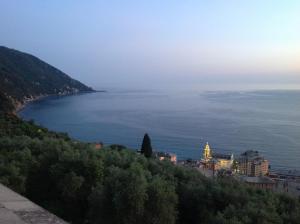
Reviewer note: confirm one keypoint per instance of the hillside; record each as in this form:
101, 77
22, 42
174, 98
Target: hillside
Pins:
24, 77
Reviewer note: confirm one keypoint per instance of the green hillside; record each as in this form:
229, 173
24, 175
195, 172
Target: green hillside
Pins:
24, 77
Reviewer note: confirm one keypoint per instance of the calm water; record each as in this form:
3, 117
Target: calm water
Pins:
268, 121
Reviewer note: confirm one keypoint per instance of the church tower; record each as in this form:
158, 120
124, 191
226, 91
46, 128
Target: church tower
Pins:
207, 153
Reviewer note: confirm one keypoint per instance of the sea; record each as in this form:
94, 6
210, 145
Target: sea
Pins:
181, 122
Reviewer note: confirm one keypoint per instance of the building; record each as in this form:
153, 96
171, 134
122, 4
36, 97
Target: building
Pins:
251, 163
96, 145
216, 161
222, 161
166, 156
190, 163
99, 145
259, 182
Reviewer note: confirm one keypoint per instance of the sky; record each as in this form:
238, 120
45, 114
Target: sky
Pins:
161, 44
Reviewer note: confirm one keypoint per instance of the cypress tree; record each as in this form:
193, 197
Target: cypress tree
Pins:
146, 146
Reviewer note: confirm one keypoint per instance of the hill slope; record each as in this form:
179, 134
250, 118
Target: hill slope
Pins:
24, 77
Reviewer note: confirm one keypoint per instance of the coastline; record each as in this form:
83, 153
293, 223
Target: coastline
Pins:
19, 106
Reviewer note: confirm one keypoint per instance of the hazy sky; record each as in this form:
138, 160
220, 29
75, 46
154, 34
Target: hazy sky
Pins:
153, 43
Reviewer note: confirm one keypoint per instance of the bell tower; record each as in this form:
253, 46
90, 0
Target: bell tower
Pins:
207, 153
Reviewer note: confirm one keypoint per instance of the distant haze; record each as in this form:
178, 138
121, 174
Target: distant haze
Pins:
220, 44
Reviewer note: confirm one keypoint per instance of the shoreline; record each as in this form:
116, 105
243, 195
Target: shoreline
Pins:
19, 106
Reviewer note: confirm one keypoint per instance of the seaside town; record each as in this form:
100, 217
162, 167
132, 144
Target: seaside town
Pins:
249, 167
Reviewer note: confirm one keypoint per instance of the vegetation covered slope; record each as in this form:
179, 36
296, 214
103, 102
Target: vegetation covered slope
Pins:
23, 76
85, 185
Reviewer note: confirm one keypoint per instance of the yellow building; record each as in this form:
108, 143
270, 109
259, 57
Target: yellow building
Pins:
251, 163
216, 160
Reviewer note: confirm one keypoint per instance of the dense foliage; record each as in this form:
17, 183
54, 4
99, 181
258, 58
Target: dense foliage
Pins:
5, 103
23, 76
117, 185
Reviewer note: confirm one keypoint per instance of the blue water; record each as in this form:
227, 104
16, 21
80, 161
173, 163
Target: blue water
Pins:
232, 122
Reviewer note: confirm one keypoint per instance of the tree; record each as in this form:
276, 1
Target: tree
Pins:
121, 199
161, 206
146, 146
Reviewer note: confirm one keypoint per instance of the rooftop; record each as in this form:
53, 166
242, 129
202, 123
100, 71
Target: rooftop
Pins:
221, 156
257, 180
251, 155
163, 154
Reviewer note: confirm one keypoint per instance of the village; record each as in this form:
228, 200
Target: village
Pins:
250, 167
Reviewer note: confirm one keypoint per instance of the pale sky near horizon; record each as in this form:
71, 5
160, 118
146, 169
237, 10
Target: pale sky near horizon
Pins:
172, 42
